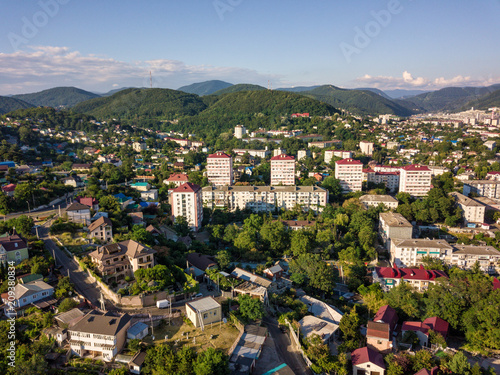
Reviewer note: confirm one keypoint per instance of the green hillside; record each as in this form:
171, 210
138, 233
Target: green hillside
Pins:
485, 102
239, 87
357, 101
57, 97
8, 104
447, 99
150, 103
205, 88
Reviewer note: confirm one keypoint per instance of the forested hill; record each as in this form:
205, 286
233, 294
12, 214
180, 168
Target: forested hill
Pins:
8, 104
485, 102
57, 97
239, 87
205, 88
147, 103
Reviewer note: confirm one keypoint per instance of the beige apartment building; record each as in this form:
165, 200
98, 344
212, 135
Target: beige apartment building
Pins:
186, 201
220, 169
283, 170
415, 180
409, 252
473, 211
374, 200
393, 226
350, 174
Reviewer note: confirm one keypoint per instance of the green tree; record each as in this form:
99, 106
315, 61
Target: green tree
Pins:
66, 305
223, 258
459, 364
275, 235
349, 326
404, 299
422, 359
302, 242
211, 361
250, 308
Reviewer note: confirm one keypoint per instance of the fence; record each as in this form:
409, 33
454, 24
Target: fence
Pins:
296, 339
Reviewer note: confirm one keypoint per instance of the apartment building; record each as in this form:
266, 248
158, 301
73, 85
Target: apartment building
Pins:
239, 131
220, 169
415, 180
484, 188
419, 278
303, 154
350, 174
409, 252
139, 146
465, 256
389, 179
255, 153
374, 200
366, 147
99, 335
473, 211
282, 170
329, 154
393, 226
186, 201
265, 198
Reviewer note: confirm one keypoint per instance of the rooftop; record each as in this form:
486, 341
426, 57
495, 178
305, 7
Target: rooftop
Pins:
282, 157
348, 161
203, 304
409, 273
475, 250
101, 324
393, 219
422, 242
364, 355
187, 187
378, 198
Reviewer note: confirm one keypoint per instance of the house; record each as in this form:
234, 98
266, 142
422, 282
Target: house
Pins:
13, 248
78, 213
366, 361
29, 278
122, 259
102, 229
379, 337
32, 293
150, 195
99, 335
274, 273
298, 224
311, 325
137, 218
204, 311
137, 331
74, 181
438, 325
124, 200
98, 215
135, 364
69, 318
321, 309
254, 285
420, 329
9, 189
140, 186
56, 333
419, 278
89, 201
248, 349
198, 263
386, 314
177, 179
432, 371
81, 167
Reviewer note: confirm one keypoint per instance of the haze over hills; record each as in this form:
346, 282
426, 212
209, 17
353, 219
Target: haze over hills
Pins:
9, 104
205, 88
57, 97
297, 88
403, 94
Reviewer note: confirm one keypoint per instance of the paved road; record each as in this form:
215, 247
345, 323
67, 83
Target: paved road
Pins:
285, 349
80, 279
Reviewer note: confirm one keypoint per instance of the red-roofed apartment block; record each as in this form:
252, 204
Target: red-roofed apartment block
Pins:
186, 201
350, 174
283, 170
220, 169
419, 278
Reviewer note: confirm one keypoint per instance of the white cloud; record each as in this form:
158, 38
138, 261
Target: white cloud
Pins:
42, 67
407, 81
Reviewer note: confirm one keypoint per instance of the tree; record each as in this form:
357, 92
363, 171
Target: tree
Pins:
250, 308
350, 325
24, 224
302, 242
422, 359
223, 258
459, 364
108, 203
181, 226
211, 361
66, 305
275, 235
245, 241
402, 298
332, 184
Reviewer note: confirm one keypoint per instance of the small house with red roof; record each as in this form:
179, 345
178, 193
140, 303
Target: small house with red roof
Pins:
13, 248
419, 278
366, 361
89, 201
432, 371
438, 325
386, 314
379, 337
420, 329
177, 179
9, 189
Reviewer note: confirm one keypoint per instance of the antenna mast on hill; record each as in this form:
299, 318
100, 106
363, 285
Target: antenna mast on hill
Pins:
269, 85
150, 80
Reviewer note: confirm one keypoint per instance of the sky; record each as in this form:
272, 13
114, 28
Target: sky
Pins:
104, 45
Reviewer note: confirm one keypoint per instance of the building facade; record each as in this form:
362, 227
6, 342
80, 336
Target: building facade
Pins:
415, 180
466, 256
366, 147
186, 200
375, 200
102, 229
409, 252
418, 278
283, 170
220, 169
393, 225
473, 211
350, 174
484, 188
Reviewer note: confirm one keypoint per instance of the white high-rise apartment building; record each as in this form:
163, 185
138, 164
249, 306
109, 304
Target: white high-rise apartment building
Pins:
220, 169
186, 200
415, 180
329, 154
350, 174
283, 170
239, 131
366, 147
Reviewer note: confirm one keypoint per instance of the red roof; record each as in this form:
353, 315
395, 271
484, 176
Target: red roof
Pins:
416, 326
409, 273
364, 355
424, 371
348, 161
438, 325
178, 177
219, 154
496, 283
283, 157
416, 167
88, 201
494, 172
188, 187
386, 314
386, 173
368, 170
9, 187
13, 242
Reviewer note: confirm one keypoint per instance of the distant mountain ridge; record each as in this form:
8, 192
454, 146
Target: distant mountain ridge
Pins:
239, 87
57, 97
205, 88
9, 104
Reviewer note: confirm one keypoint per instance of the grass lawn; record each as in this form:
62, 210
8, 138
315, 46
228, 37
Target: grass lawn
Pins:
72, 242
217, 336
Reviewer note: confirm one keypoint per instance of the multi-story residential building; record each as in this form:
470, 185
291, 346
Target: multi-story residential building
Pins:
389, 179
13, 248
186, 200
220, 169
366, 147
465, 256
393, 226
283, 170
409, 252
419, 278
329, 154
78, 213
118, 260
374, 200
473, 211
265, 198
350, 174
102, 229
493, 175
99, 335
415, 180
484, 188
239, 131
255, 153
279, 151
303, 154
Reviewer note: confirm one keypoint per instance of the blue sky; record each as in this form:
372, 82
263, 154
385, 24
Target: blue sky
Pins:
102, 45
